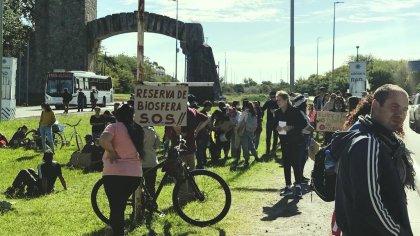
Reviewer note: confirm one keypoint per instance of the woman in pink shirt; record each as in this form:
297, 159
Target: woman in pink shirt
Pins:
123, 144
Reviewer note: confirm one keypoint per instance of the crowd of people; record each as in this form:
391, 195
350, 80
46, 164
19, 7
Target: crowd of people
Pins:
232, 129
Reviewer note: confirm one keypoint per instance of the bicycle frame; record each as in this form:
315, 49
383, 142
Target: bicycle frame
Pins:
73, 134
186, 177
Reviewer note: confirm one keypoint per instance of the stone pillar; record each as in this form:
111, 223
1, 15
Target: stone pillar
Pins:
59, 41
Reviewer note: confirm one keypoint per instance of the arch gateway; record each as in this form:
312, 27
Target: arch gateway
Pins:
68, 35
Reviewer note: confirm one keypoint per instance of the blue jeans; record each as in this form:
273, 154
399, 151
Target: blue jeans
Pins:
46, 132
247, 143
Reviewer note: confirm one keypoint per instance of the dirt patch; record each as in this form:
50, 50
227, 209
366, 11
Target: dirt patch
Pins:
271, 214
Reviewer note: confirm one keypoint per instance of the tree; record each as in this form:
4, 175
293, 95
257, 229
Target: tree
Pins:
248, 82
18, 23
238, 88
380, 77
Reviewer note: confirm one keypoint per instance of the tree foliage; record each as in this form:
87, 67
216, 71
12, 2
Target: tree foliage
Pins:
123, 70
18, 23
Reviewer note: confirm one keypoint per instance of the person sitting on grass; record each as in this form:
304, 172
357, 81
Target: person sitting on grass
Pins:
3, 141
18, 136
37, 183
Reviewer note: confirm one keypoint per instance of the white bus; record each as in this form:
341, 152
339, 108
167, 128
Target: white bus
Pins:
73, 81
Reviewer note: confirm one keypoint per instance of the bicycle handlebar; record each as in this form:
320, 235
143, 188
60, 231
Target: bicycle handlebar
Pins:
74, 124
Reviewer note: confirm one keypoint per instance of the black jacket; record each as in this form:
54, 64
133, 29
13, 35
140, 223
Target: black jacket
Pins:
370, 196
294, 117
268, 105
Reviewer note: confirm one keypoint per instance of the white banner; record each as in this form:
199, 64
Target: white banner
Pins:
357, 82
161, 104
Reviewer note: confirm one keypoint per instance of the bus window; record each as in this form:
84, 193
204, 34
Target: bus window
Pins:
86, 83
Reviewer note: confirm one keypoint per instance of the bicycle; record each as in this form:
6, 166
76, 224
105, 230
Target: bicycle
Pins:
206, 203
79, 142
33, 138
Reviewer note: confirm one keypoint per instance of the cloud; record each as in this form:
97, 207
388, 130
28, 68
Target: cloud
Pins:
220, 10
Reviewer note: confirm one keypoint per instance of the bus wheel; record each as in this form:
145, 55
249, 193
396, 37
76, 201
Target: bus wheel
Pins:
59, 107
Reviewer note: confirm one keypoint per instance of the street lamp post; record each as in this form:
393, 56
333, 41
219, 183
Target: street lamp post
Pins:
292, 45
357, 53
317, 55
334, 41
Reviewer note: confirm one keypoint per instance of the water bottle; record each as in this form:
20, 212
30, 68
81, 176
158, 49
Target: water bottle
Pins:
329, 162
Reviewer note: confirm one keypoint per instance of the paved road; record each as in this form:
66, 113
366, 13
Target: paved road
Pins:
412, 143
31, 111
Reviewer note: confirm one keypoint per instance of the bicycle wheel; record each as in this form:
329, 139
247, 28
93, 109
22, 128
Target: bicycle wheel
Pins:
58, 140
100, 203
30, 134
30, 140
79, 142
211, 208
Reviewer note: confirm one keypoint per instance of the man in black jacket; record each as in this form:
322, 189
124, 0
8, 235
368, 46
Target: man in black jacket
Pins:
370, 196
270, 126
67, 97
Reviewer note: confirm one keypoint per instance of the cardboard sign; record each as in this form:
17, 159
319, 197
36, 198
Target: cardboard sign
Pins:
327, 121
161, 104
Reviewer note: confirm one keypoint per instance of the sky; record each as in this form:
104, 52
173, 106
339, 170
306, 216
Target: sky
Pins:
254, 36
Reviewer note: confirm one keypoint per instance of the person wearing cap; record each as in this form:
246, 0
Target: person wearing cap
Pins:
300, 103
203, 137
270, 126
37, 183
219, 119
318, 100
97, 121
192, 101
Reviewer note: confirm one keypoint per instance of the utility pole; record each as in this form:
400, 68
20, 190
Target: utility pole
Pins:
27, 73
138, 213
225, 69
1, 57
332, 78
317, 55
292, 45
176, 43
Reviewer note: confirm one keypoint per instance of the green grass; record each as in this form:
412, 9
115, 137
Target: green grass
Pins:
69, 212
121, 97
251, 97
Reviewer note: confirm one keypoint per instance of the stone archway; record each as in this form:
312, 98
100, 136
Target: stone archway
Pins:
201, 66
67, 36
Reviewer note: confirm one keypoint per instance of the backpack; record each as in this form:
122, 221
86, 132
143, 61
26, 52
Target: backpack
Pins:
251, 123
324, 176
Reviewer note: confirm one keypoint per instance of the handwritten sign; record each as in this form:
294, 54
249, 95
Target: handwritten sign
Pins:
327, 121
161, 104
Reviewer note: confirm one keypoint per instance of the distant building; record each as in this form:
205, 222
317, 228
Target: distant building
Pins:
414, 66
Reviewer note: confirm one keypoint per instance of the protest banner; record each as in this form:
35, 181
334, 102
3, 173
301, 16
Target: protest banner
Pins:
327, 121
161, 104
